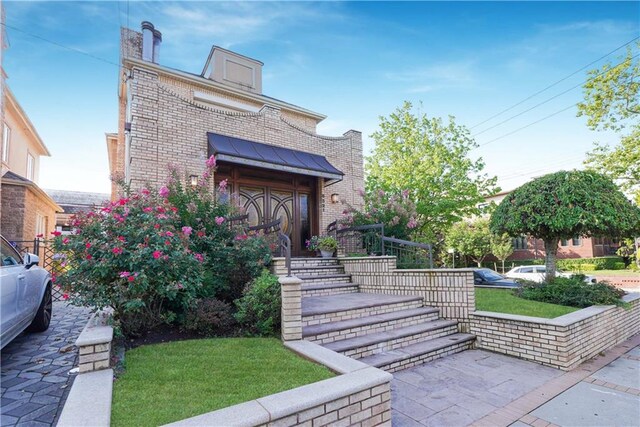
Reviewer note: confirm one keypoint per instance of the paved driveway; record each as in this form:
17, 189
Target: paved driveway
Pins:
35, 380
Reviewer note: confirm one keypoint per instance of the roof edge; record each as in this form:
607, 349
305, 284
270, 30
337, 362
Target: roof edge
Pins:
36, 189
25, 119
207, 82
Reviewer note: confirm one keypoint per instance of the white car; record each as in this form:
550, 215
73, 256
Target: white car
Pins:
536, 273
26, 294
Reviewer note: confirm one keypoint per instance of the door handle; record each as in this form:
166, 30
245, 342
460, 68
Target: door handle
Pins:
21, 276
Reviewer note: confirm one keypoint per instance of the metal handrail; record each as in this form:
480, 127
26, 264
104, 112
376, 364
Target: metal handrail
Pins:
285, 250
425, 246
362, 228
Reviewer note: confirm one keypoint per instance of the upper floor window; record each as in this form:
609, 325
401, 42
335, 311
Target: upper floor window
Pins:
520, 243
564, 242
576, 241
31, 173
6, 142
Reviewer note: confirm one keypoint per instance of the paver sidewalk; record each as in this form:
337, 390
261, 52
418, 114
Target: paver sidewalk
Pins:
481, 388
35, 380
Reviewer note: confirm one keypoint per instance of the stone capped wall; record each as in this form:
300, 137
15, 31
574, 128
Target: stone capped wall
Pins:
563, 342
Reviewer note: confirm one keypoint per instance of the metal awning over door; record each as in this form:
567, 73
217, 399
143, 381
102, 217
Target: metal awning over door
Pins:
244, 152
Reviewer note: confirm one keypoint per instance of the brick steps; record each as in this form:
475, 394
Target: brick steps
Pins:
329, 332
333, 308
366, 345
391, 332
326, 289
419, 353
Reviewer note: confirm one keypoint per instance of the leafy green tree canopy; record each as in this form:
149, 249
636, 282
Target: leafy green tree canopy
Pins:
501, 247
566, 204
612, 102
431, 159
471, 238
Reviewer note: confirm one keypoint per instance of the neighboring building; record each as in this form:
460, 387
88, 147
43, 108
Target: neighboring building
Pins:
276, 164
74, 202
27, 211
526, 247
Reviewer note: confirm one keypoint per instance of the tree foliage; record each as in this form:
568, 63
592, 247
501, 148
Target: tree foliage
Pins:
612, 102
431, 158
566, 204
501, 247
472, 239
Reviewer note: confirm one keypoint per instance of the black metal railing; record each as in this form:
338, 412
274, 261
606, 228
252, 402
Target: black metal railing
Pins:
282, 244
369, 240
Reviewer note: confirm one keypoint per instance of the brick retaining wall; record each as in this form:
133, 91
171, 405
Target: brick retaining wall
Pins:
450, 290
563, 342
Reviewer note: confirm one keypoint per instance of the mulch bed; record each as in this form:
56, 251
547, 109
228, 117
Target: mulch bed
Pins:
164, 333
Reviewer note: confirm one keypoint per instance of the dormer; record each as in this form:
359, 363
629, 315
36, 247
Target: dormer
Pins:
233, 69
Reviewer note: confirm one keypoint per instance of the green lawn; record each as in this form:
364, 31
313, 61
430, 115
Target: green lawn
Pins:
503, 301
172, 381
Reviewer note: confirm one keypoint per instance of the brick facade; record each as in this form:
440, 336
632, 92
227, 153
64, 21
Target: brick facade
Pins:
563, 342
169, 125
20, 206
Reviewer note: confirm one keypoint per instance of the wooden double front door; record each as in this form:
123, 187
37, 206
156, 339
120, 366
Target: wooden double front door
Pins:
269, 195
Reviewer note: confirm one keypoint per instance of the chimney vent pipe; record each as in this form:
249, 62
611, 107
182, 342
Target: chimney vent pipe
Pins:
147, 41
157, 40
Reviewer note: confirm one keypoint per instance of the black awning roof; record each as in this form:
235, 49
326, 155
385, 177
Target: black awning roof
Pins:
241, 151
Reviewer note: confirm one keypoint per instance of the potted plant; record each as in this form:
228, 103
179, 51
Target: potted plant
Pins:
312, 244
327, 246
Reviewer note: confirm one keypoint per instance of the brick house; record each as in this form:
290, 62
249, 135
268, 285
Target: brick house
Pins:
276, 165
26, 209
526, 247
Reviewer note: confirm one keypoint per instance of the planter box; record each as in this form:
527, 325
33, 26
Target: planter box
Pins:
563, 342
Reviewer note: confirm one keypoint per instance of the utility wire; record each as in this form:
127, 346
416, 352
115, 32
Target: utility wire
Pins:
552, 98
73, 49
526, 126
553, 84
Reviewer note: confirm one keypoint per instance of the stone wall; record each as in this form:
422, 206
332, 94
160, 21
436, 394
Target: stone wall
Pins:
450, 290
563, 342
94, 343
20, 205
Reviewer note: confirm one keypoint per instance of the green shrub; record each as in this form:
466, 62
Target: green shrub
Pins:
573, 292
601, 263
588, 267
209, 317
619, 266
259, 308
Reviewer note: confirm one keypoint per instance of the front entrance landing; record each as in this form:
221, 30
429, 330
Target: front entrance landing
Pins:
462, 388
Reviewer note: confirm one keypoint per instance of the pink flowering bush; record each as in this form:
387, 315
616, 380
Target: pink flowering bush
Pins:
131, 257
396, 211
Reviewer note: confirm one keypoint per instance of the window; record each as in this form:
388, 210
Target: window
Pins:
41, 225
564, 242
9, 255
576, 241
6, 142
30, 167
520, 243
526, 270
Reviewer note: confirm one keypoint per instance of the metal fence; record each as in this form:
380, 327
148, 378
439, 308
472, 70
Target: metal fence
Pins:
44, 250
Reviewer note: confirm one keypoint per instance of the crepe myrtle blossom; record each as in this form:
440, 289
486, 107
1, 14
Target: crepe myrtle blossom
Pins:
219, 220
211, 162
222, 186
187, 230
163, 192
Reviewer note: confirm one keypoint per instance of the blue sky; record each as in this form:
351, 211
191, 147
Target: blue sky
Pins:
352, 61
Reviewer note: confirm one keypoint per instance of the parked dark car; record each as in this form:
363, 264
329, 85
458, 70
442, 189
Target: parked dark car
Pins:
487, 277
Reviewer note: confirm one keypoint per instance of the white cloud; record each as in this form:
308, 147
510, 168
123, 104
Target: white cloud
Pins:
436, 76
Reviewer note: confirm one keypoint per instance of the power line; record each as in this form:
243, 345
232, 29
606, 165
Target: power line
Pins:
553, 84
552, 98
73, 49
526, 126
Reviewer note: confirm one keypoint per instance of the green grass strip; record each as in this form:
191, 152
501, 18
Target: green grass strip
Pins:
503, 301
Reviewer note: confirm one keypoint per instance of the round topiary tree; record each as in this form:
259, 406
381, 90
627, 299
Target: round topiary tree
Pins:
562, 205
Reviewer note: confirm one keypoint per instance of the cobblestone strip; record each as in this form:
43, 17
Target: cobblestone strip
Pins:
519, 409
35, 376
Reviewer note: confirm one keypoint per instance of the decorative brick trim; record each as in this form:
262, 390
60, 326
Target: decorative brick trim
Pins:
303, 130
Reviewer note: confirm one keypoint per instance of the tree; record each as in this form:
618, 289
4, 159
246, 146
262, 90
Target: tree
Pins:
471, 238
627, 251
612, 102
501, 247
430, 158
562, 205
